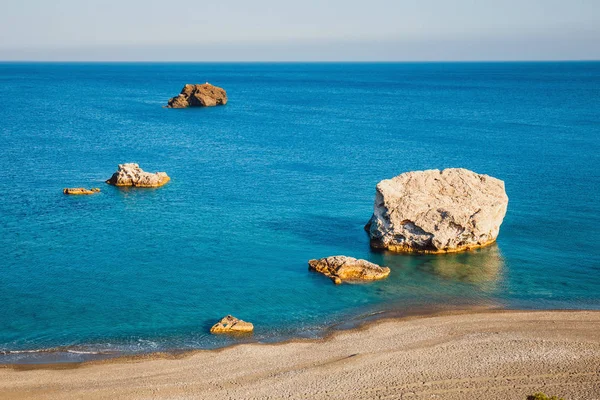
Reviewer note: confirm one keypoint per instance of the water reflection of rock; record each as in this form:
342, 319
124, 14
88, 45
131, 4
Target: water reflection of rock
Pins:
482, 267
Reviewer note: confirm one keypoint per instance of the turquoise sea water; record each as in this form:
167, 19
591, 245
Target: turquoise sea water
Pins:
284, 173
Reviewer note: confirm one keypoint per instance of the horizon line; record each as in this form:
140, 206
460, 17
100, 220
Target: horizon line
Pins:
67, 61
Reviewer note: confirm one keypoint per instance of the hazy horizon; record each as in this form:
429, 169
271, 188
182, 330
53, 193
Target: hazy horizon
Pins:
267, 30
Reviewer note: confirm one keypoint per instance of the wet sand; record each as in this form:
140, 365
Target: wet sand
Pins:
505, 355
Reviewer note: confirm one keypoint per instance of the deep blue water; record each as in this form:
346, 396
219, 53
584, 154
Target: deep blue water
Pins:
284, 173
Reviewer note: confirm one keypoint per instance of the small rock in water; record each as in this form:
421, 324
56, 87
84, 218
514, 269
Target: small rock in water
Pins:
342, 268
76, 191
205, 95
132, 175
437, 211
231, 324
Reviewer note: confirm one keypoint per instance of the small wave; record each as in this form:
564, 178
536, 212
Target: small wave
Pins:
148, 343
7, 352
84, 352
52, 350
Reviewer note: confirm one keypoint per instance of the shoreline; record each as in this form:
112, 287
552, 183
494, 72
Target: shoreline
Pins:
544, 350
353, 322
360, 324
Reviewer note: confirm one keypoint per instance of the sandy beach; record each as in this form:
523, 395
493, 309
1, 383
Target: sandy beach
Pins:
504, 355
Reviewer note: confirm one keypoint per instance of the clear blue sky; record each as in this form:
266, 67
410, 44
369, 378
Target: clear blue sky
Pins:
309, 30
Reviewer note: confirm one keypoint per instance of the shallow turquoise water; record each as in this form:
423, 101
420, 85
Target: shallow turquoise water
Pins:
284, 173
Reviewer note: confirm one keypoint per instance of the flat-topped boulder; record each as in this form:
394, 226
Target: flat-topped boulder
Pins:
437, 211
231, 324
132, 175
79, 191
193, 95
342, 268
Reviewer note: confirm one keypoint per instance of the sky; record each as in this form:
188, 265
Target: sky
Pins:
307, 30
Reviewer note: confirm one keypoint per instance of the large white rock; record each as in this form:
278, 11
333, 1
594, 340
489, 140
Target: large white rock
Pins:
132, 175
437, 211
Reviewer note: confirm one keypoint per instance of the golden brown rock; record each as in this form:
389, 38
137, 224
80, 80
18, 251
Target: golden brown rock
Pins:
77, 191
342, 268
132, 175
205, 95
231, 324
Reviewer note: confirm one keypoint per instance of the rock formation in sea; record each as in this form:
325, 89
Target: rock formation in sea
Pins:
342, 268
231, 324
437, 211
77, 191
205, 95
132, 175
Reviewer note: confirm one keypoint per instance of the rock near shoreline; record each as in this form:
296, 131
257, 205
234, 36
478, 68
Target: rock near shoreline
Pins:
231, 324
437, 211
205, 95
132, 175
342, 268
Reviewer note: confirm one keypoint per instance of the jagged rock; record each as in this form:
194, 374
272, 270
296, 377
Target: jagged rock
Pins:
231, 324
342, 268
132, 175
437, 211
80, 191
205, 95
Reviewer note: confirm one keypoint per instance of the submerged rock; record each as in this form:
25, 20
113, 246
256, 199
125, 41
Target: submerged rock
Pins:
132, 175
342, 268
205, 95
231, 324
77, 191
437, 211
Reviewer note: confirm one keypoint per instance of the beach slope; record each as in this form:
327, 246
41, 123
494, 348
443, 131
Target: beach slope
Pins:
505, 355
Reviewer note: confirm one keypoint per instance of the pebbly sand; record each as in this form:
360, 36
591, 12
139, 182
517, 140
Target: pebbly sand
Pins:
495, 355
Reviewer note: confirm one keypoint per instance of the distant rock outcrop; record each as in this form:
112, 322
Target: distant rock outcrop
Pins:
342, 268
205, 95
437, 211
132, 175
231, 324
77, 191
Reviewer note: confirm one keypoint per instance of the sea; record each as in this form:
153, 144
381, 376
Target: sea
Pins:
284, 173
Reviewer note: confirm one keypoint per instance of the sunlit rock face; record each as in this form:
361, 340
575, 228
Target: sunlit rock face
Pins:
205, 95
132, 175
437, 211
231, 324
80, 191
342, 268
